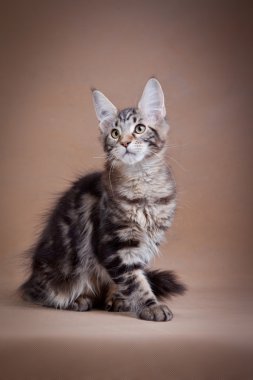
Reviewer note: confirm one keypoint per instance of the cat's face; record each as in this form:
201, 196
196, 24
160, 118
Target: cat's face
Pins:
131, 135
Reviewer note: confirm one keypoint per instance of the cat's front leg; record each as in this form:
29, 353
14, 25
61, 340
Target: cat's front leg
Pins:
135, 287
132, 283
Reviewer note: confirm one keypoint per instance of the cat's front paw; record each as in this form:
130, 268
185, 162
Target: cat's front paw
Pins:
158, 312
117, 303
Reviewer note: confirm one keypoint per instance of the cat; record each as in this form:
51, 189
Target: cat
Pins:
102, 233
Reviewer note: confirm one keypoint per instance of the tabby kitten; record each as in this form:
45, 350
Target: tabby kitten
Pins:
95, 249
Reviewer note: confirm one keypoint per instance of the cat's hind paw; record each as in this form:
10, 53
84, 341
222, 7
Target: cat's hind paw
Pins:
82, 303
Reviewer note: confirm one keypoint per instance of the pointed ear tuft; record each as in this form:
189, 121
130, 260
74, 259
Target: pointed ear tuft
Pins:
104, 109
151, 104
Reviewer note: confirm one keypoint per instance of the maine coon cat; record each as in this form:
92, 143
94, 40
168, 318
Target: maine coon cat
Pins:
99, 239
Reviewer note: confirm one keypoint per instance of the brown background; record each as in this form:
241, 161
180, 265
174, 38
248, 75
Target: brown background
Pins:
53, 52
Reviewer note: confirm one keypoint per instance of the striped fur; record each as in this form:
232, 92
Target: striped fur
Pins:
103, 232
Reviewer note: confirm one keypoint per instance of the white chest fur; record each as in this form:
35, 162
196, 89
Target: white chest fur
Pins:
144, 188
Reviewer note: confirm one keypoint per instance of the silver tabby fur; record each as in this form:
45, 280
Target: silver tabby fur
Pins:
103, 232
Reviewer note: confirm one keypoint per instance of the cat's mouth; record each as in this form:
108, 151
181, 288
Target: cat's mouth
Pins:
127, 153
128, 157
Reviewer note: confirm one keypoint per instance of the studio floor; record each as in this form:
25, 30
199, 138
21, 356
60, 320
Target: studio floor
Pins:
210, 337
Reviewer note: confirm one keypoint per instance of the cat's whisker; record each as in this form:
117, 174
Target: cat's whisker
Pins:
172, 146
176, 145
173, 159
178, 163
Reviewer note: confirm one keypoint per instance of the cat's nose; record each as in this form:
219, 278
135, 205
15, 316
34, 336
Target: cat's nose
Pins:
125, 143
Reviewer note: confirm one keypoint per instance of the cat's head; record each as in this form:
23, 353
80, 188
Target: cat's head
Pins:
133, 134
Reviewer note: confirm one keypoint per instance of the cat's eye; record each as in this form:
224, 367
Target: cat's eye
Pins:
115, 133
140, 128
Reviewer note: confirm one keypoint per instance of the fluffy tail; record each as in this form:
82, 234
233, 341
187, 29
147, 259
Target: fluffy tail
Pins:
165, 283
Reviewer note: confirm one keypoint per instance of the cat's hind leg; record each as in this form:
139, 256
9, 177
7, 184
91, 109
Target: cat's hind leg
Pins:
82, 303
62, 301
64, 296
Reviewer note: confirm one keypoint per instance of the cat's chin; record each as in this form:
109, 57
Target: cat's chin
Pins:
131, 158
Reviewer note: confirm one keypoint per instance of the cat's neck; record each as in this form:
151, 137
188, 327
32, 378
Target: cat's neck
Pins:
142, 179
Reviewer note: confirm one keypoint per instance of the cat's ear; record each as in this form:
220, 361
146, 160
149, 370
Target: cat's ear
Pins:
105, 110
151, 104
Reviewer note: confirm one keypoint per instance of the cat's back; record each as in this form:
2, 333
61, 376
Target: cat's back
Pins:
88, 184
86, 189
69, 221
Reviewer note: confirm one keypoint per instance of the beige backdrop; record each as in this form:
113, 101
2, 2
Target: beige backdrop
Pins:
53, 52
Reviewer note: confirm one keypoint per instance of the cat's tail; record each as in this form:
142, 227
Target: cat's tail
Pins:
165, 283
